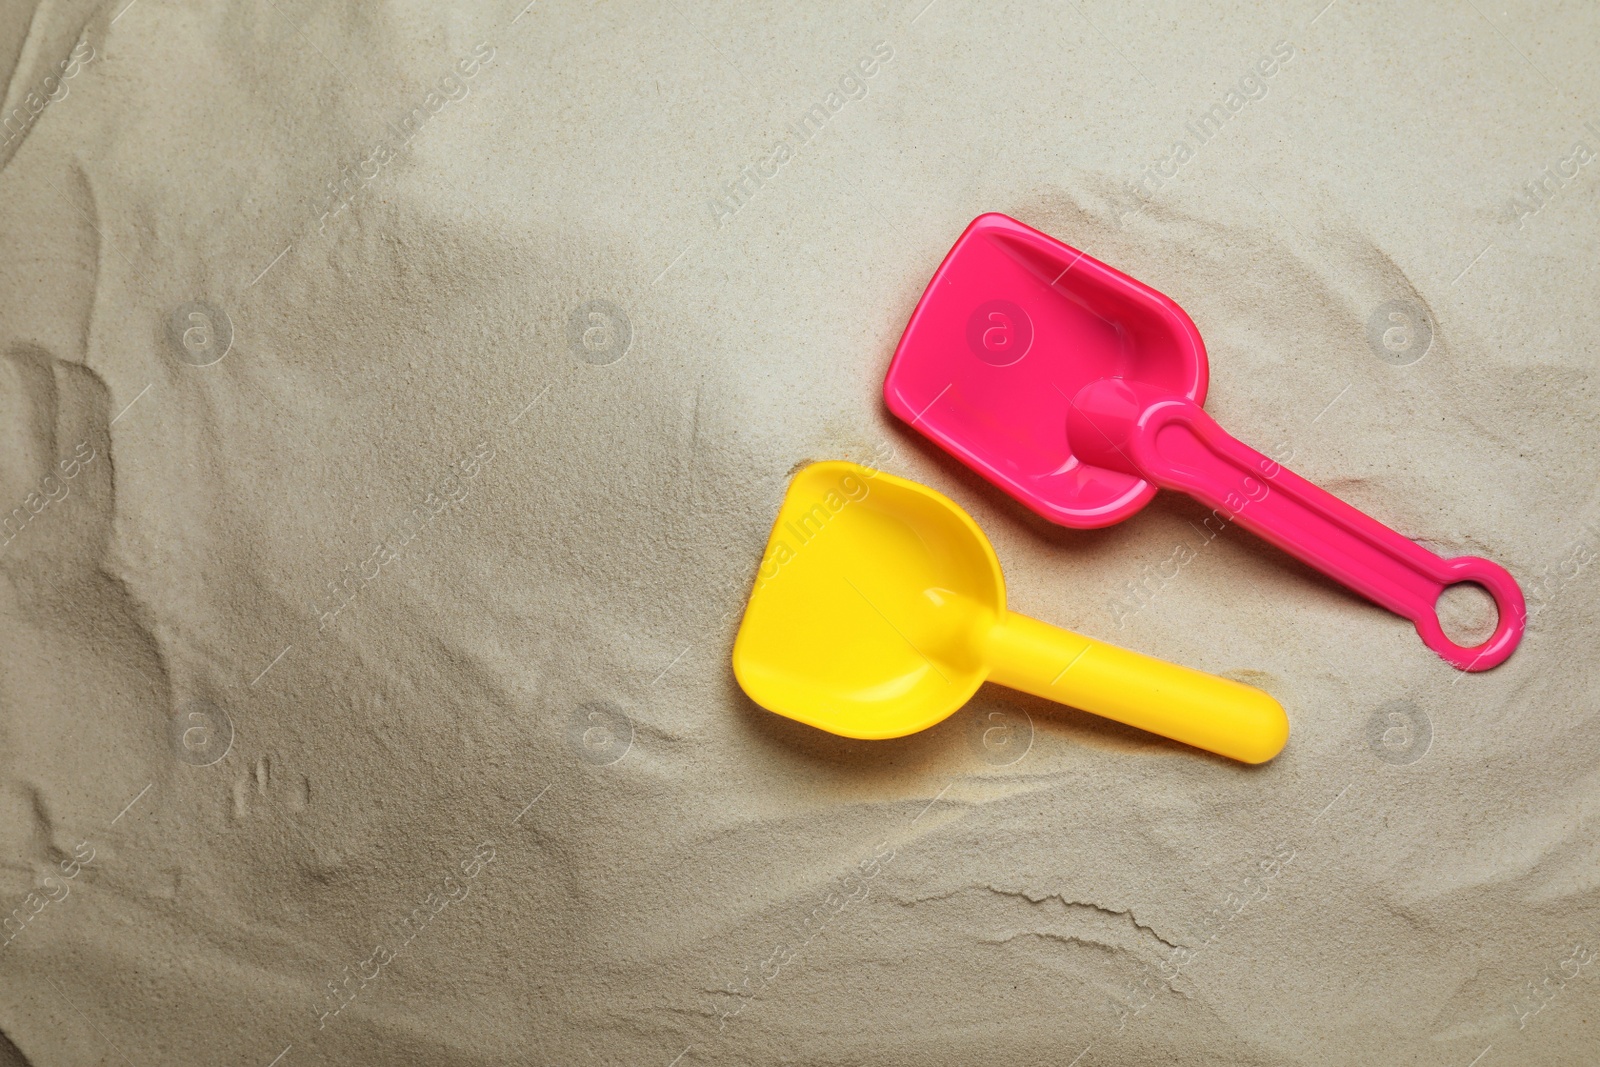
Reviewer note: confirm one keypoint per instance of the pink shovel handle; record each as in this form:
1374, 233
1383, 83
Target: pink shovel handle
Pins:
1169, 440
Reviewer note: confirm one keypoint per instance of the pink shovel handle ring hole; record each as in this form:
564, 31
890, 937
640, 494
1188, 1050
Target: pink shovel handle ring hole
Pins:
1509, 605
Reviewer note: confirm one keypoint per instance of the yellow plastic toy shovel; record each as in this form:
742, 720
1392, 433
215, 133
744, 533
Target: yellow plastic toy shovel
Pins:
880, 608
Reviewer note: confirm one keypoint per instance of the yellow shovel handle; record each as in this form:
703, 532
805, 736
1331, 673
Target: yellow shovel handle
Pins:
1222, 716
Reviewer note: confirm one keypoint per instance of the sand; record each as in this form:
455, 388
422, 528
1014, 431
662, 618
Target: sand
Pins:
397, 403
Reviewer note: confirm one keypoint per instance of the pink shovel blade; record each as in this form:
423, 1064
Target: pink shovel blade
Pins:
1077, 390
1013, 324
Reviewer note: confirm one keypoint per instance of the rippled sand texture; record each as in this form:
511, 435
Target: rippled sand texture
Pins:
394, 403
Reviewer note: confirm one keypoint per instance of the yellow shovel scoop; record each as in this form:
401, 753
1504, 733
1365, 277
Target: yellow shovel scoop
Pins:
880, 608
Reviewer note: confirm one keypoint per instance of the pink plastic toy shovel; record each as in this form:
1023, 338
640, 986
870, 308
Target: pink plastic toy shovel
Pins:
1077, 390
